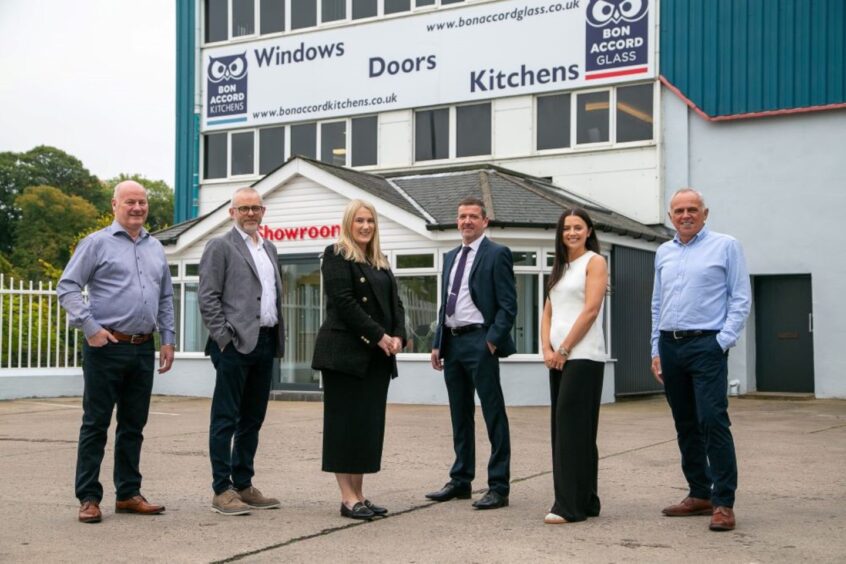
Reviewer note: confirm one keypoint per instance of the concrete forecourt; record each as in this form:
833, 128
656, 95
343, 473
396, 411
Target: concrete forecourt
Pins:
790, 505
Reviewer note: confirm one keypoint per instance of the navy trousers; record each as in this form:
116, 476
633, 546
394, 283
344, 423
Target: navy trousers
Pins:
117, 374
695, 382
239, 405
470, 368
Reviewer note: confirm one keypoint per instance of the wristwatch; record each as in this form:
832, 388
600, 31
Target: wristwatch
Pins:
563, 351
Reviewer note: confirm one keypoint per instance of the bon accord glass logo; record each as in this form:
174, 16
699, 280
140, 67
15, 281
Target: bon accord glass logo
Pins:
616, 36
227, 87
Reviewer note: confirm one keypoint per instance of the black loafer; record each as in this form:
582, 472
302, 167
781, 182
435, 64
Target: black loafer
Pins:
377, 510
491, 500
450, 491
358, 511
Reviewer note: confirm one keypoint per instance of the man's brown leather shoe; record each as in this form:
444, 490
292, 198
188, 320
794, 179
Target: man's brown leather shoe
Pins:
89, 512
722, 519
689, 506
138, 504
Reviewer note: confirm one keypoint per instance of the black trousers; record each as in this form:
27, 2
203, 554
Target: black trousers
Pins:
239, 405
117, 374
470, 368
575, 394
695, 383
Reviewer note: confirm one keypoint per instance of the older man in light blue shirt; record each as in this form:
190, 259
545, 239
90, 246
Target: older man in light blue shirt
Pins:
130, 297
700, 301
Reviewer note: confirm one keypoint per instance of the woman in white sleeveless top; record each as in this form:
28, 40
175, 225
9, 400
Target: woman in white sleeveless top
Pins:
574, 351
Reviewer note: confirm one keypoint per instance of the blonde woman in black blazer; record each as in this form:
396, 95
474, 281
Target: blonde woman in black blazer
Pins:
356, 351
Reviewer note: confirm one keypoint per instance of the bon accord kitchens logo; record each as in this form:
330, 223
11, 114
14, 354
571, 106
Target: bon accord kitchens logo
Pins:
227, 86
616, 35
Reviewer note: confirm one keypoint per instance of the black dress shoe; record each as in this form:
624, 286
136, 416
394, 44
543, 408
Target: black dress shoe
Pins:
358, 511
450, 491
491, 500
377, 510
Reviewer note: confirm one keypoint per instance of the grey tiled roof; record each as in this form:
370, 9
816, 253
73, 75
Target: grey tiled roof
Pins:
514, 199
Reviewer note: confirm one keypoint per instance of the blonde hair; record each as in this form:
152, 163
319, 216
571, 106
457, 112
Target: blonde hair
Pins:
349, 249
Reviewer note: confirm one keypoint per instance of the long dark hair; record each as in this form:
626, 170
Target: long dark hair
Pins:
561, 262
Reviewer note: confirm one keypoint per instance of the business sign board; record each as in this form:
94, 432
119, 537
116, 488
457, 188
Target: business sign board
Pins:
476, 52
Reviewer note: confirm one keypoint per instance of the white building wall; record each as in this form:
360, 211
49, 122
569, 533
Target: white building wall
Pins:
777, 185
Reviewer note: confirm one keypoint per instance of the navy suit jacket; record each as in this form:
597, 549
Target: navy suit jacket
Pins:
492, 290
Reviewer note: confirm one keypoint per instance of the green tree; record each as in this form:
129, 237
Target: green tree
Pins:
159, 196
43, 166
50, 222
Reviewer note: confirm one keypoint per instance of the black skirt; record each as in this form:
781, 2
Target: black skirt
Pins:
354, 419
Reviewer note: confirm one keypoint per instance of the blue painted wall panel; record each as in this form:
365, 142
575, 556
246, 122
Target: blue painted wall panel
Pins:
742, 56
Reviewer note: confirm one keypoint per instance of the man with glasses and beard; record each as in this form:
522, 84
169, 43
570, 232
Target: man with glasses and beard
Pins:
240, 298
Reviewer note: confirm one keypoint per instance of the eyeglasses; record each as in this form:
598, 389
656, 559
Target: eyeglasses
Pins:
244, 210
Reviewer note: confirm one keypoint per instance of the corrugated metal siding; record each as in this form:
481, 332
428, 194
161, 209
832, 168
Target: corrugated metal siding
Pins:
632, 272
744, 56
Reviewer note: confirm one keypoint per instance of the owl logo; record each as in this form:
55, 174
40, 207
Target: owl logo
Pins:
227, 86
233, 67
602, 12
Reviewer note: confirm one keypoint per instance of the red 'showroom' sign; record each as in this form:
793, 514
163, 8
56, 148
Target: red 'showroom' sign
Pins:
299, 233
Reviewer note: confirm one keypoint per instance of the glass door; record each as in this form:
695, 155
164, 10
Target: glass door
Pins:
302, 312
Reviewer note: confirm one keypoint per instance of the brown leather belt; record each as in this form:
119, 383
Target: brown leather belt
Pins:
137, 339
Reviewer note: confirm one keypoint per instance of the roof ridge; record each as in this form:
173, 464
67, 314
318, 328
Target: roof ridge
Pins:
429, 217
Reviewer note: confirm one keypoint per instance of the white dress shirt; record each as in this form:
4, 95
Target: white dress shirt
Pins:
466, 312
267, 277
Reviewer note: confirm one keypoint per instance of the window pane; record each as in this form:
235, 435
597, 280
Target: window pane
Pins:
174, 270
524, 258
214, 156
554, 121
634, 113
177, 311
303, 13
195, 334
302, 315
445, 2
363, 144
271, 148
420, 3
525, 327
416, 261
473, 130
363, 9
192, 269
420, 299
243, 17
304, 140
272, 16
394, 6
333, 143
217, 18
592, 117
242, 153
431, 134
333, 10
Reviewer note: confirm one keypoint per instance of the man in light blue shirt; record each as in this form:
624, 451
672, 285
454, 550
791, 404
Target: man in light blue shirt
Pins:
130, 297
700, 301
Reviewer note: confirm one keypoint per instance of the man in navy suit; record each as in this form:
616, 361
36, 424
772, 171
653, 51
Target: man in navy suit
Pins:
478, 306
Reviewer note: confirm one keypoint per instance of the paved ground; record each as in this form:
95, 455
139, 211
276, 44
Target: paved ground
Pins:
791, 503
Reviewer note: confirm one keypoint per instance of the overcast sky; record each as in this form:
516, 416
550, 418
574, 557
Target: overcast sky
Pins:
94, 78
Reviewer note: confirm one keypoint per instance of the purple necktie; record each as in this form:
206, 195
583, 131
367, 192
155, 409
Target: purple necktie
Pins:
456, 282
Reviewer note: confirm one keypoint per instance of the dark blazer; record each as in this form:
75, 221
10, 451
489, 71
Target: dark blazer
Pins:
355, 317
230, 293
493, 291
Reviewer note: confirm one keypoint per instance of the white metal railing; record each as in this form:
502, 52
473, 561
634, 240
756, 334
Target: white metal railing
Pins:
34, 329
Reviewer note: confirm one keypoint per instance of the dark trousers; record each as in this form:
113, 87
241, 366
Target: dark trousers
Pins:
695, 382
470, 367
239, 405
575, 394
117, 374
